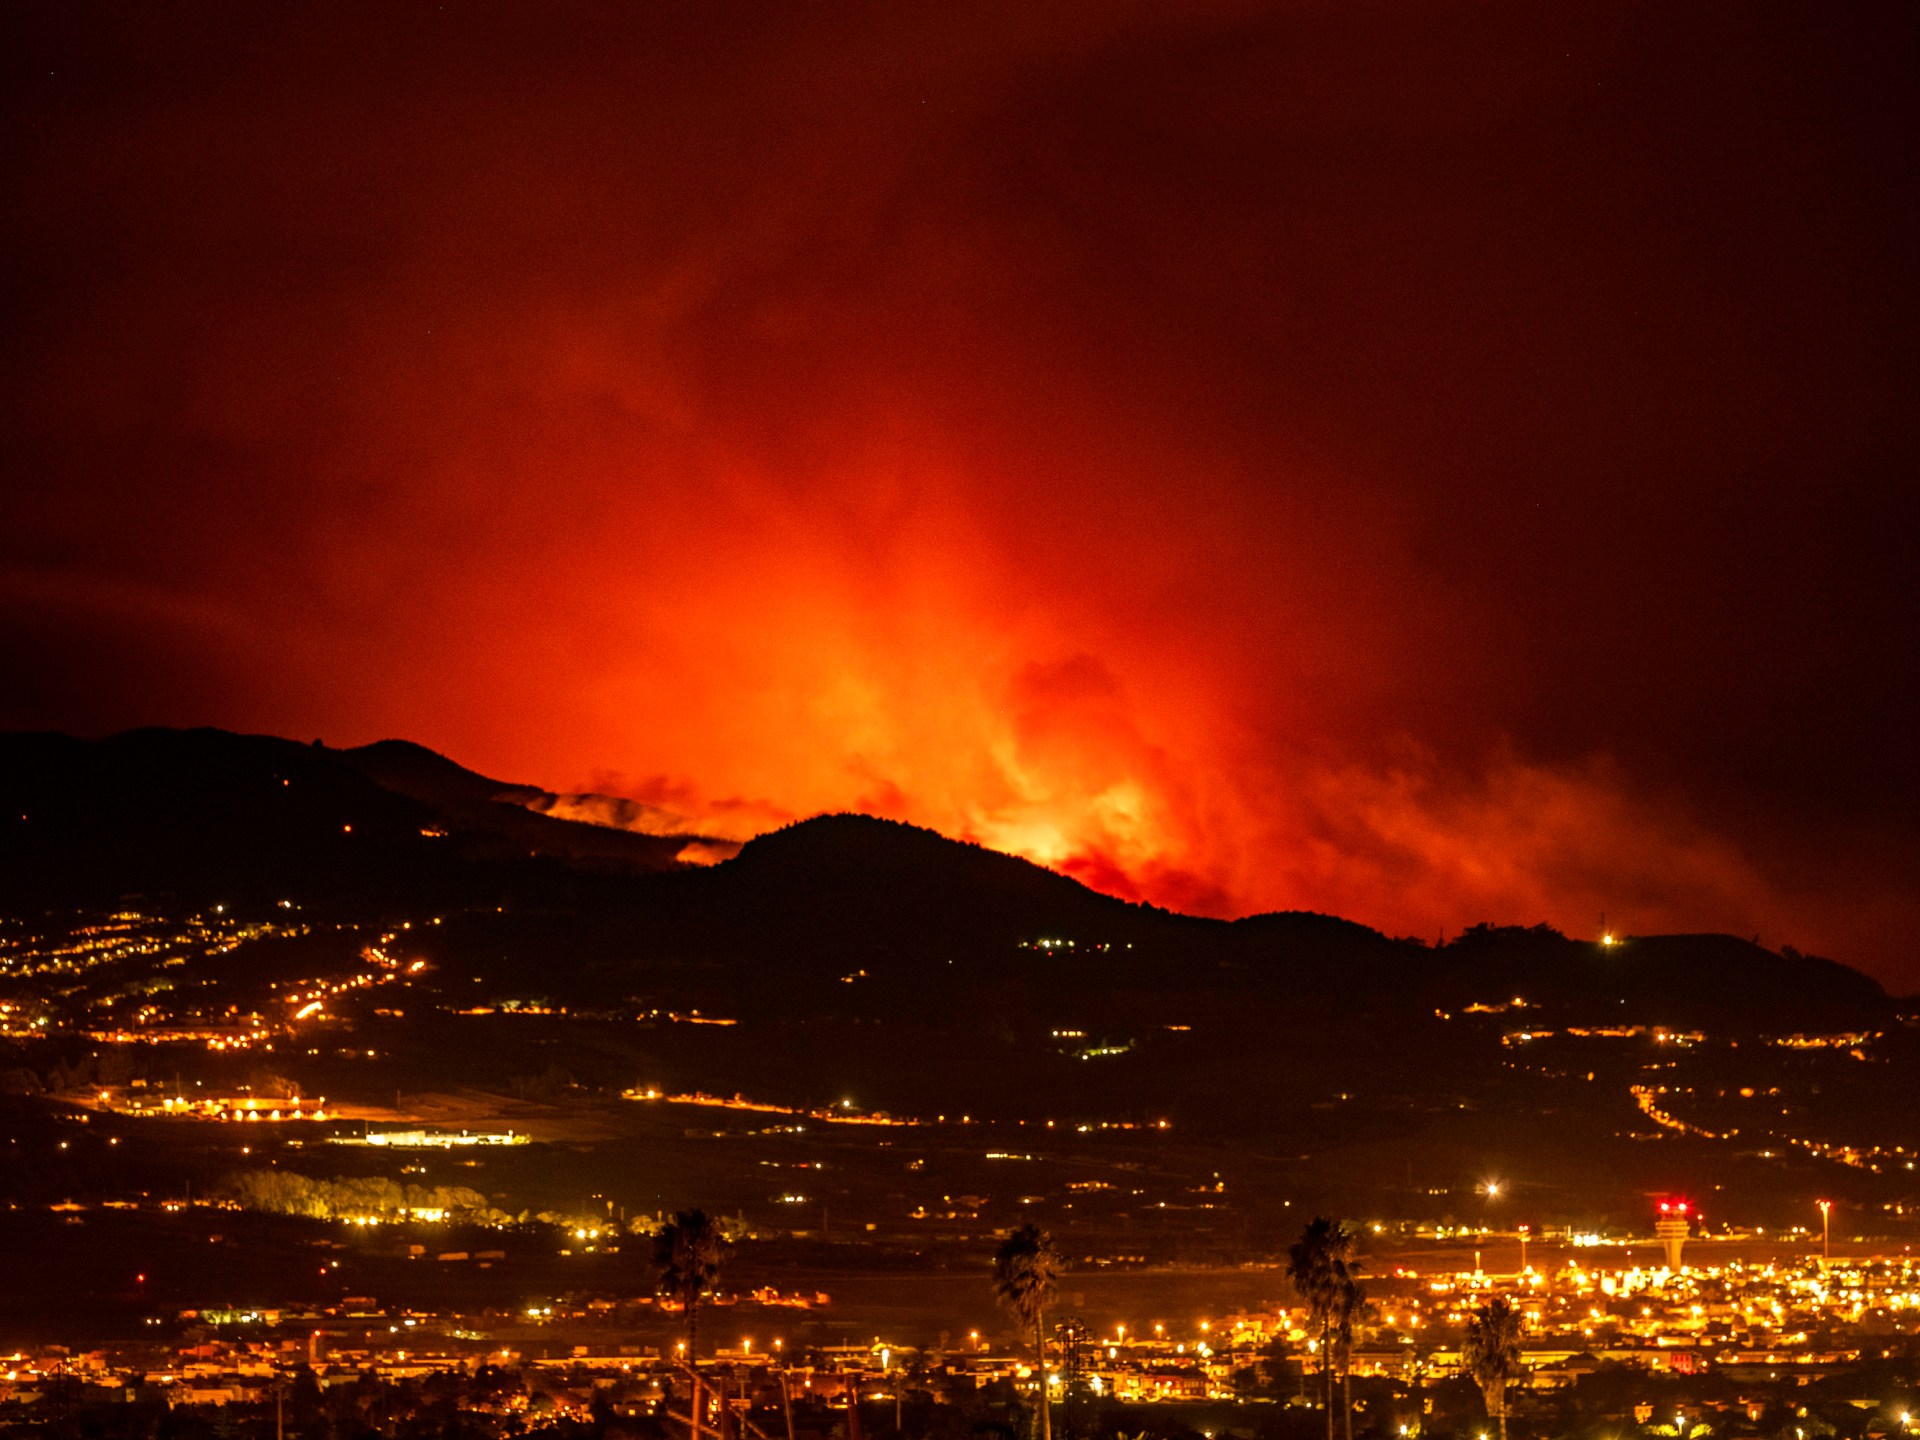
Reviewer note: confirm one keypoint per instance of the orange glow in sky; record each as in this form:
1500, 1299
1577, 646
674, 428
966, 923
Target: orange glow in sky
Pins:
1430, 467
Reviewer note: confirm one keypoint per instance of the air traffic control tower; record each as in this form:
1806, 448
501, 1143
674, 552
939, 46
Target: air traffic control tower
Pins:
1671, 1228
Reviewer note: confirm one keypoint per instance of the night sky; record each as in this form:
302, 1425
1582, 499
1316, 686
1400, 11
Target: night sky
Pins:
1429, 463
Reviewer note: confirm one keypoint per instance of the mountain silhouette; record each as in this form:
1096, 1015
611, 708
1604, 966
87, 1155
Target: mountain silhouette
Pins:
191, 818
205, 816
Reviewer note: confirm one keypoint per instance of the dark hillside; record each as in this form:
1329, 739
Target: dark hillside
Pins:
869, 879
492, 817
940, 928
1712, 982
205, 817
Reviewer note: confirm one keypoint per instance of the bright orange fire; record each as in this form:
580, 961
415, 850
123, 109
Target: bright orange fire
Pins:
1211, 450
1217, 726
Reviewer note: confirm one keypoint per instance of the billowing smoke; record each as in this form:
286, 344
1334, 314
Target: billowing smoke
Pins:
1425, 468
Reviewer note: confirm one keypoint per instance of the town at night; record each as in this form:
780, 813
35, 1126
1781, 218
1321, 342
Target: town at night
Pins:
971, 722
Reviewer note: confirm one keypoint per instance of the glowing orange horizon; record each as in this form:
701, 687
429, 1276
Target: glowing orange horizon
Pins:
1109, 716
1191, 447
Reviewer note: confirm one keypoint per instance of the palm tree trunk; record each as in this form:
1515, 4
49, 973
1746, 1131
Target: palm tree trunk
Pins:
1346, 1394
693, 1337
1503, 1417
1040, 1349
1326, 1372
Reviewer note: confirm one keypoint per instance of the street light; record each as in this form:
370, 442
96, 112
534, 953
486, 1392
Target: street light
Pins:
1826, 1210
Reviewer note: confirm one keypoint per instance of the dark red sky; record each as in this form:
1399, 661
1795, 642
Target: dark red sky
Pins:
1433, 463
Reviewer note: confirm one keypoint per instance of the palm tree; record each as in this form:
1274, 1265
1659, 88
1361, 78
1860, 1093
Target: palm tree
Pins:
1025, 1271
689, 1250
1349, 1299
1491, 1355
1314, 1264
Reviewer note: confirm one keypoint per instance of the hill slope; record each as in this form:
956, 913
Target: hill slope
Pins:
203, 817
208, 817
